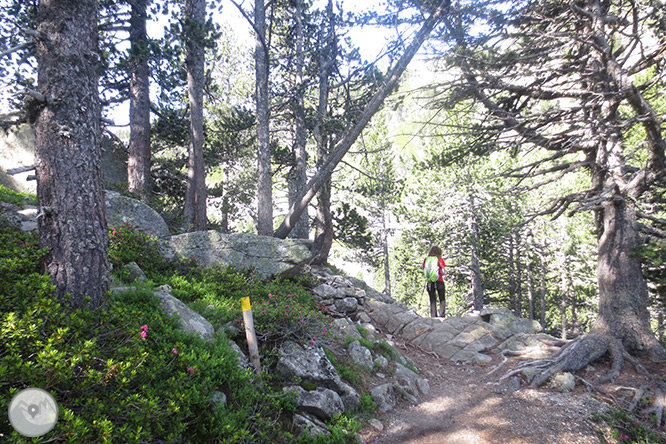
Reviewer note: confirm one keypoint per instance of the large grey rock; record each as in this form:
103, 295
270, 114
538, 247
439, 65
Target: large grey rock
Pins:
17, 149
410, 381
384, 397
134, 272
564, 382
269, 256
360, 355
190, 320
347, 328
322, 402
121, 210
309, 424
310, 365
530, 346
505, 324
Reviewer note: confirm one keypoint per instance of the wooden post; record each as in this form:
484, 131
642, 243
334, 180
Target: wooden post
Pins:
252, 346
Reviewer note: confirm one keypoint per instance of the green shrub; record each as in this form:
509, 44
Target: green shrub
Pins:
16, 197
624, 427
124, 373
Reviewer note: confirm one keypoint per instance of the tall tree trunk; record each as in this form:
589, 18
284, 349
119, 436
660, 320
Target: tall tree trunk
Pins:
264, 175
530, 289
512, 276
385, 249
623, 294
542, 292
519, 275
564, 295
138, 162
298, 173
70, 183
195, 198
324, 219
475, 268
352, 134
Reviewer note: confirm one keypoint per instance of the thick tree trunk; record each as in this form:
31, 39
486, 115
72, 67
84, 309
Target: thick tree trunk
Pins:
195, 197
623, 294
324, 219
352, 134
298, 173
138, 162
264, 175
70, 184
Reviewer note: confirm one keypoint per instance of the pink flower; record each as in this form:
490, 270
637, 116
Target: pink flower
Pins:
190, 369
114, 232
174, 351
143, 334
270, 295
286, 306
144, 327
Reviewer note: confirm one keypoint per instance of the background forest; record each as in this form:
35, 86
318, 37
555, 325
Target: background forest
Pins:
429, 168
524, 138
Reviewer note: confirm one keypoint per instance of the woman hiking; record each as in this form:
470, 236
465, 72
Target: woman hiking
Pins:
433, 267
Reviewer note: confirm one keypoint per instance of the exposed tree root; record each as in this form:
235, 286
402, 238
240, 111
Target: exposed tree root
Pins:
582, 351
657, 407
574, 356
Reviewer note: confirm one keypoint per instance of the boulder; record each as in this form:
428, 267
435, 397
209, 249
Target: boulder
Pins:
122, 210
384, 397
505, 324
134, 272
360, 355
309, 364
17, 149
190, 320
320, 402
564, 382
309, 424
268, 256
410, 381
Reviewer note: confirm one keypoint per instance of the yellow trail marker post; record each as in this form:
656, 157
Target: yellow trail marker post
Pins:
252, 346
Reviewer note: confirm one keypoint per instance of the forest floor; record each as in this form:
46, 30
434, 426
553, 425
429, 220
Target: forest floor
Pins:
466, 405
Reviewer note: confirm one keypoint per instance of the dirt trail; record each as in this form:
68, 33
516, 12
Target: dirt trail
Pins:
465, 405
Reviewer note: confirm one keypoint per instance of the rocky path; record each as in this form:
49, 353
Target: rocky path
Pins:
465, 405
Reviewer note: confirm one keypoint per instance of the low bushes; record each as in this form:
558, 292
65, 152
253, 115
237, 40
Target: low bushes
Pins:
125, 373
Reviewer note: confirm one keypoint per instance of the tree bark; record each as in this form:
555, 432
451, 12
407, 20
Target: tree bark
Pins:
138, 162
475, 268
298, 173
323, 239
385, 250
70, 183
530, 289
542, 290
264, 175
352, 134
623, 295
195, 198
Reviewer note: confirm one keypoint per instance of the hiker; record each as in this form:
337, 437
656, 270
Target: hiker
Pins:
433, 268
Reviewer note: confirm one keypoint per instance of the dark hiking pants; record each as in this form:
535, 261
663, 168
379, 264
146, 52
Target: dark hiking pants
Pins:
436, 289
